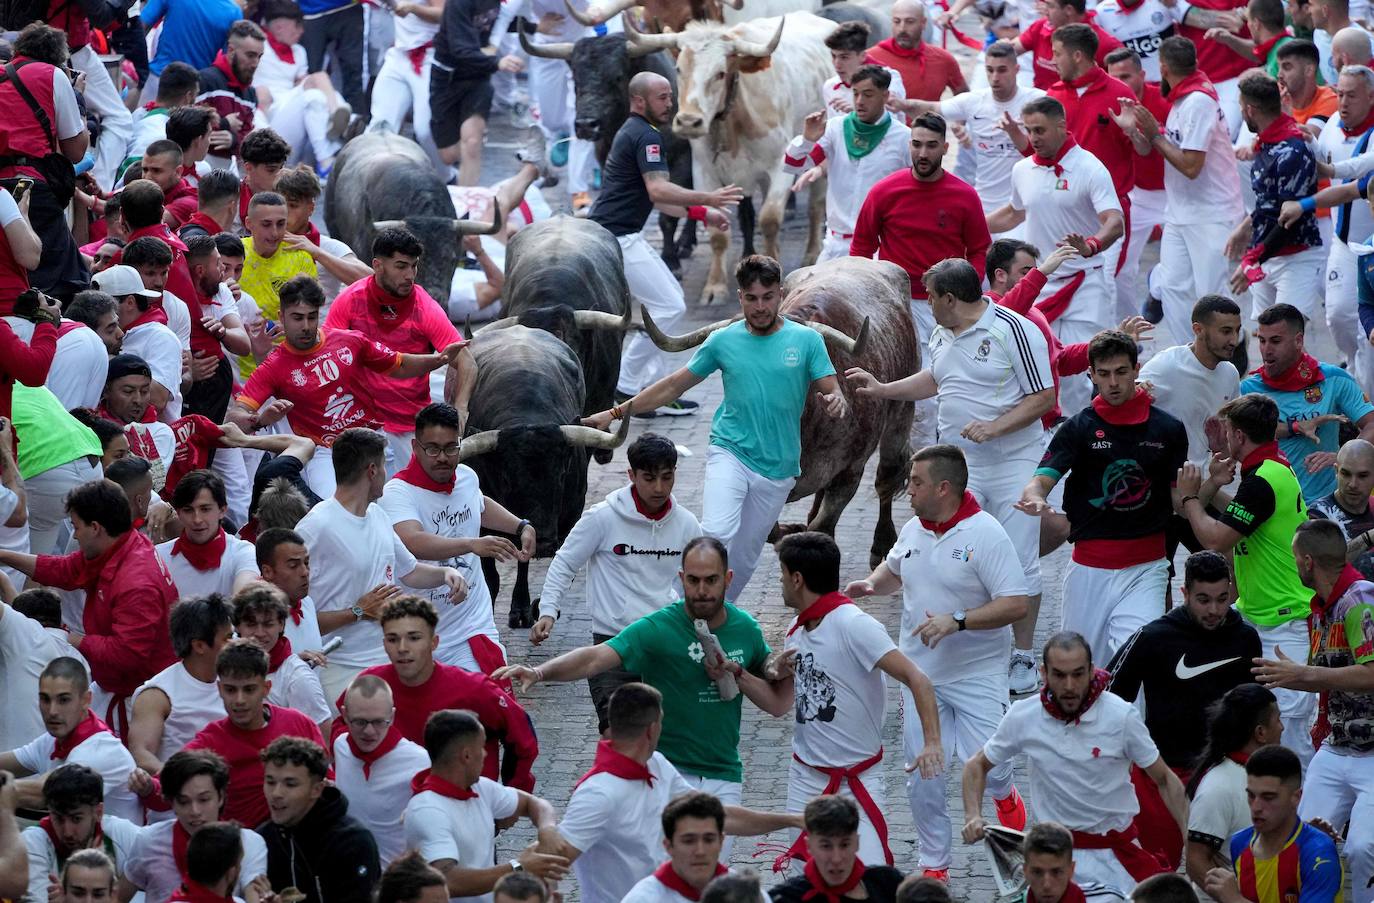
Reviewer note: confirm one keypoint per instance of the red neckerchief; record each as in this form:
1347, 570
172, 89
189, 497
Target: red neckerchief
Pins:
389, 742
181, 838
222, 64
1068, 145
1131, 412
200, 219
613, 762
1269, 451
283, 51
1306, 371
639, 506
63, 851
1073, 893
85, 728
415, 475
384, 306
312, 234
191, 892
673, 881
1090, 79
245, 195
154, 314
428, 780
1365, 125
1279, 130
297, 612
1261, 50
202, 557
916, 53
1195, 83
822, 607
279, 653
1348, 576
416, 55
832, 893
1240, 758
1096, 687
968, 506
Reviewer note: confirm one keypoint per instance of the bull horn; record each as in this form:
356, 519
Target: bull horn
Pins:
474, 227
494, 325
478, 444
591, 437
381, 224
754, 48
734, 4
560, 51
467, 329
651, 41
599, 319
692, 339
854, 347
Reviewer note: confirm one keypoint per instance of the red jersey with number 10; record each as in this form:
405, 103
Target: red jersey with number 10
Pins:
323, 384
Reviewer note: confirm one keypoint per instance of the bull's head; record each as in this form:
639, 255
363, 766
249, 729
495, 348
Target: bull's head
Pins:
441, 237
710, 58
854, 347
601, 68
575, 435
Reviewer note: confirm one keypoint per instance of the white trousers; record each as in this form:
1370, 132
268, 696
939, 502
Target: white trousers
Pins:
232, 468
1228, 96
1297, 708
301, 117
651, 283
1343, 302
116, 122
1190, 265
805, 783
1102, 867
319, 472
834, 246
970, 710
1295, 279
740, 507
730, 793
1147, 211
49, 528
1107, 606
1339, 787
551, 88
399, 90
397, 451
998, 489
925, 425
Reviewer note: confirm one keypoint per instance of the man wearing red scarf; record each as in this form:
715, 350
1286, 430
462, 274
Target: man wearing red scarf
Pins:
834, 868
74, 797
926, 70
694, 829
227, 86
205, 558
1080, 742
214, 861
1037, 38
260, 614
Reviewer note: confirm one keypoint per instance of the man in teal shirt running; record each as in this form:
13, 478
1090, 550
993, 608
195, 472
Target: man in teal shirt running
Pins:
769, 366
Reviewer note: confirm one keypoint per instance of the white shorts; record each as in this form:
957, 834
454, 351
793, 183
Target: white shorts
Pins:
1297, 708
739, 507
1339, 787
1295, 279
728, 792
1108, 606
998, 489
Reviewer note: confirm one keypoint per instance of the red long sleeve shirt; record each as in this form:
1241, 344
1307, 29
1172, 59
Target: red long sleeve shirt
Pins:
26, 362
917, 224
1149, 170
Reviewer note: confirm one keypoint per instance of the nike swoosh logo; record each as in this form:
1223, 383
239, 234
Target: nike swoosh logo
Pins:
1183, 672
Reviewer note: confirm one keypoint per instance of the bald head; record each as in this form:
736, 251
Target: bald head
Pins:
645, 84
909, 8
651, 96
1351, 47
908, 23
1355, 475
1357, 451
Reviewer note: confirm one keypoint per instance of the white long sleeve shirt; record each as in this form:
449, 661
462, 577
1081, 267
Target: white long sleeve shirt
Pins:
849, 179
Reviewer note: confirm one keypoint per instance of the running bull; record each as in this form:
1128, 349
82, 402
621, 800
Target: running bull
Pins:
866, 299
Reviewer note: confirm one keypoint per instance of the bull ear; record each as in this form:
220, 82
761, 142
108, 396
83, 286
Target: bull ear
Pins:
379, 225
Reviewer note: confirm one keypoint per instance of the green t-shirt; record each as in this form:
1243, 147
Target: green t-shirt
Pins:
766, 379
48, 435
700, 730
1266, 511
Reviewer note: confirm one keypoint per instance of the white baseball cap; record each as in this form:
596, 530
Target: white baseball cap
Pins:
119, 281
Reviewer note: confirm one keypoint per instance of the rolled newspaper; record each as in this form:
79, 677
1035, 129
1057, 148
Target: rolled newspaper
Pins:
714, 656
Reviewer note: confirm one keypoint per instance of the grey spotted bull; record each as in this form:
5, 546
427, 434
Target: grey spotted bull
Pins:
866, 299
524, 440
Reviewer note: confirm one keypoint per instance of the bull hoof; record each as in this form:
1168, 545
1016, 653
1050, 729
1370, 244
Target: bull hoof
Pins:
781, 530
713, 293
520, 616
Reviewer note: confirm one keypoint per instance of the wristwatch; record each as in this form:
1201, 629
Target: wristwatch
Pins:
516, 865
357, 612
960, 619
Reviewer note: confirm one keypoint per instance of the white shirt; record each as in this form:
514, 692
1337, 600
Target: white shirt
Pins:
1142, 28
306, 634
840, 692
1070, 202
838, 95
452, 515
1080, 773
79, 368
295, 685
240, 557
26, 648
984, 372
652, 890
349, 555
178, 318
1197, 123
152, 867
103, 754
616, 823
279, 76
195, 703
157, 444
330, 283
964, 568
1220, 807
994, 154
1189, 391
1333, 147
849, 179
69, 121
120, 837
372, 799
411, 32
441, 827
161, 350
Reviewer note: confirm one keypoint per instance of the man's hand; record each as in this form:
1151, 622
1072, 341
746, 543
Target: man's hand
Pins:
1319, 461
1135, 327
973, 829
1057, 258
140, 782
313, 657
522, 676
528, 541
1308, 428
203, 366
273, 411
1188, 482
859, 589
1125, 117
215, 327
717, 219
1010, 126
549, 23
542, 630
376, 598
780, 665
55, 893
930, 761
1290, 213
511, 63
1221, 469
811, 175
865, 383
979, 431
1145, 121
1237, 242
935, 628
450, 354
1239, 281
457, 586
1326, 828
48, 310
1279, 672
234, 121
833, 402
1034, 505
601, 420
1078, 242
497, 547
293, 242
543, 865
813, 126
729, 196
221, 140
1221, 885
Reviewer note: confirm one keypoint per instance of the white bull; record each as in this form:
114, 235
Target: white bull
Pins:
744, 92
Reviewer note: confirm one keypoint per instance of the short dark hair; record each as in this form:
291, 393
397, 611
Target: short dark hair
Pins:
1002, 49
42, 43
1209, 306
651, 452
878, 75
954, 276
198, 618
186, 764
101, 502
920, 889
405, 879
1166, 887
1270, 14
298, 751
127, 471
447, 727
831, 815
694, 804
229, 244
947, 463
931, 122
1044, 106
633, 707
300, 289
71, 786
521, 886
177, 80
149, 250
1078, 37
1258, 88
260, 598
264, 146
246, 28
265, 199
90, 307
439, 414
199, 248
280, 505
213, 851
355, 449
190, 486
214, 188
298, 183
1275, 761
741, 886
1110, 343
1254, 414
1048, 839
757, 268
127, 364
1066, 641
1323, 539
41, 604
1283, 313
141, 204
186, 124
408, 606
849, 36
1002, 253
393, 240
241, 658
1180, 54
710, 542
1205, 567
268, 541
64, 667
815, 556
1122, 55
164, 148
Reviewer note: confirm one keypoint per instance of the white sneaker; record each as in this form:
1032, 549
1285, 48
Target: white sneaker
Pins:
1022, 676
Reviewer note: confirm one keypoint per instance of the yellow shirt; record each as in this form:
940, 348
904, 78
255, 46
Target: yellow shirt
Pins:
263, 277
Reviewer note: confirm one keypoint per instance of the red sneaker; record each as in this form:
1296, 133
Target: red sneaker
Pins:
1011, 811
937, 874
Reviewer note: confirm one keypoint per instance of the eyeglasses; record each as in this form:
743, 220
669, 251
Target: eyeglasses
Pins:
434, 451
362, 724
